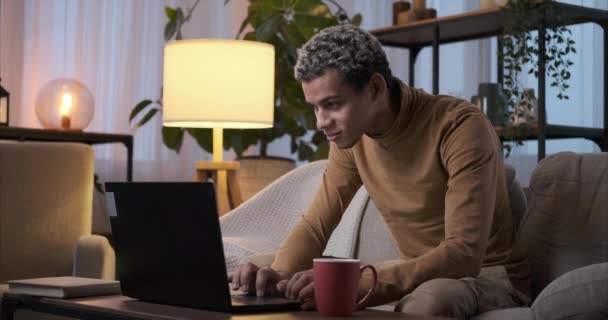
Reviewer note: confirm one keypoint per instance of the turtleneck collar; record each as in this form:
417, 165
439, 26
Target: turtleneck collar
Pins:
397, 130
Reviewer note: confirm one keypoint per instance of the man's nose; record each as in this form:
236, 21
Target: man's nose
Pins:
323, 121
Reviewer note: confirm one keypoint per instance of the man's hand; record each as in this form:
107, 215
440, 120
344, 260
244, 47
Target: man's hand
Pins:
251, 279
300, 287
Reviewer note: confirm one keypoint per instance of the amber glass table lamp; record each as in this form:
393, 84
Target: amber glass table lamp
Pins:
212, 83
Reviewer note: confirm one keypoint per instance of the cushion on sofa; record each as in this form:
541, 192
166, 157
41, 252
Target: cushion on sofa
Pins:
517, 198
579, 294
565, 224
506, 314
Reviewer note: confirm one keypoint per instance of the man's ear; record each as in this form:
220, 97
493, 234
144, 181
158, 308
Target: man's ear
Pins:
377, 86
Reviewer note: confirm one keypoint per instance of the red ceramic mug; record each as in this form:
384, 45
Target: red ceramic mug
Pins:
337, 283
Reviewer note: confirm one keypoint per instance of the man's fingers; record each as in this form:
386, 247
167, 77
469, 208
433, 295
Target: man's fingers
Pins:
235, 278
307, 293
265, 276
303, 280
247, 277
306, 297
282, 286
308, 305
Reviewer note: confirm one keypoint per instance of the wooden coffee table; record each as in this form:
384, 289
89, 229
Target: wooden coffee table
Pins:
121, 307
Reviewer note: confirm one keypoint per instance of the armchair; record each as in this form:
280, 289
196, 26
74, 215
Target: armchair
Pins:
565, 229
260, 225
46, 194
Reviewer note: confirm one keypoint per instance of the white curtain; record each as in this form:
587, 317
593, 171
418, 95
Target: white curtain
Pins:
115, 47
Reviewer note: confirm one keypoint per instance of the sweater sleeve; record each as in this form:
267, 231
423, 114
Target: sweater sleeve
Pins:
470, 154
308, 238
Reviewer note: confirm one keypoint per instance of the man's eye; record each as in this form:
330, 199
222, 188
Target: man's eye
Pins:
331, 105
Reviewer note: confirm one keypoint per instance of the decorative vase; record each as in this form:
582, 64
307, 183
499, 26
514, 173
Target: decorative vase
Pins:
419, 4
64, 104
256, 173
399, 7
487, 4
526, 110
492, 102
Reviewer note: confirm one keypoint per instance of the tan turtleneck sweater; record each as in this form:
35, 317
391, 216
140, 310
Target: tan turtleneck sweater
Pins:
437, 178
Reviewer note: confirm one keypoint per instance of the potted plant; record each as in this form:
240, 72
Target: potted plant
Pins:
521, 48
287, 25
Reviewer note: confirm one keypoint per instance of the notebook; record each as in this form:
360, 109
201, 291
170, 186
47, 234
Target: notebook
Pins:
169, 248
64, 287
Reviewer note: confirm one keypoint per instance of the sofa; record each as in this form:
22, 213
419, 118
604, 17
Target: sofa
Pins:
46, 198
563, 219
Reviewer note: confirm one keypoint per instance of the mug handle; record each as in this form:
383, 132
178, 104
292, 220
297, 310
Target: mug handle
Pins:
363, 301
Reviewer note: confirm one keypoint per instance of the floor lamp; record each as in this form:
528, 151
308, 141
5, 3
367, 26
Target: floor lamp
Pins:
212, 83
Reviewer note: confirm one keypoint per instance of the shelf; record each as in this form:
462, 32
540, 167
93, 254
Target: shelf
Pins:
488, 23
551, 132
33, 134
469, 26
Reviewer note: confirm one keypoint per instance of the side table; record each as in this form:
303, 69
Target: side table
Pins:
31, 134
225, 176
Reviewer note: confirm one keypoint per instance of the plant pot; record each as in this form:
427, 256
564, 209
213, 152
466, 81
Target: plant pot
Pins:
258, 172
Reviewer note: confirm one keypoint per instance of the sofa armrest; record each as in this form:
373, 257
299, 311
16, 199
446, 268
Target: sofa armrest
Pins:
260, 260
580, 293
94, 258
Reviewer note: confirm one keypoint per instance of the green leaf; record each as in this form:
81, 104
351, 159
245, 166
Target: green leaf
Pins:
294, 144
322, 151
236, 141
318, 137
147, 117
203, 137
303, 20
243, 26
305, 152
170, 29
269, 28
173, 138
293, 35
179, 16
138, 108
312, 7
250, 36
170, 13
357, 19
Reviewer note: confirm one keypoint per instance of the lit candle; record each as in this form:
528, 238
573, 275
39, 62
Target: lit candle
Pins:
64, 111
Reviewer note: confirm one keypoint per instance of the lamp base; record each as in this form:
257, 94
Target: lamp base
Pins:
225, 176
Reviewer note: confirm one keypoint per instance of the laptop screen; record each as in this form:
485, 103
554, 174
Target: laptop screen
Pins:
168, 243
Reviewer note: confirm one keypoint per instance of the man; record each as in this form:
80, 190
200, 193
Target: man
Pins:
433, 167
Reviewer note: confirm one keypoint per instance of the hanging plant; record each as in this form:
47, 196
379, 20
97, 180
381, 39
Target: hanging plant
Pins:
520, 43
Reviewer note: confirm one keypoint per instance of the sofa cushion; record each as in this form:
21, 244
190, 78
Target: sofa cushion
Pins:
506, 314
565, 224
375, 242
579, 294
517, 198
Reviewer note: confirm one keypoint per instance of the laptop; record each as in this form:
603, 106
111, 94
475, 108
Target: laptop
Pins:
169, 250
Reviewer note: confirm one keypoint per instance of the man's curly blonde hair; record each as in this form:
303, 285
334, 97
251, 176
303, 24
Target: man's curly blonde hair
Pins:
355, 53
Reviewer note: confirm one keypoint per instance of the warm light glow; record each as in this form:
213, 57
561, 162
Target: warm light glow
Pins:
66, 104
210, 83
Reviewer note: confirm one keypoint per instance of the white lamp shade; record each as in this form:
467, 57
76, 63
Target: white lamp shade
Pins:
210, 83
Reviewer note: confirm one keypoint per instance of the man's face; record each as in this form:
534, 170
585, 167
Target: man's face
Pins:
342, 112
